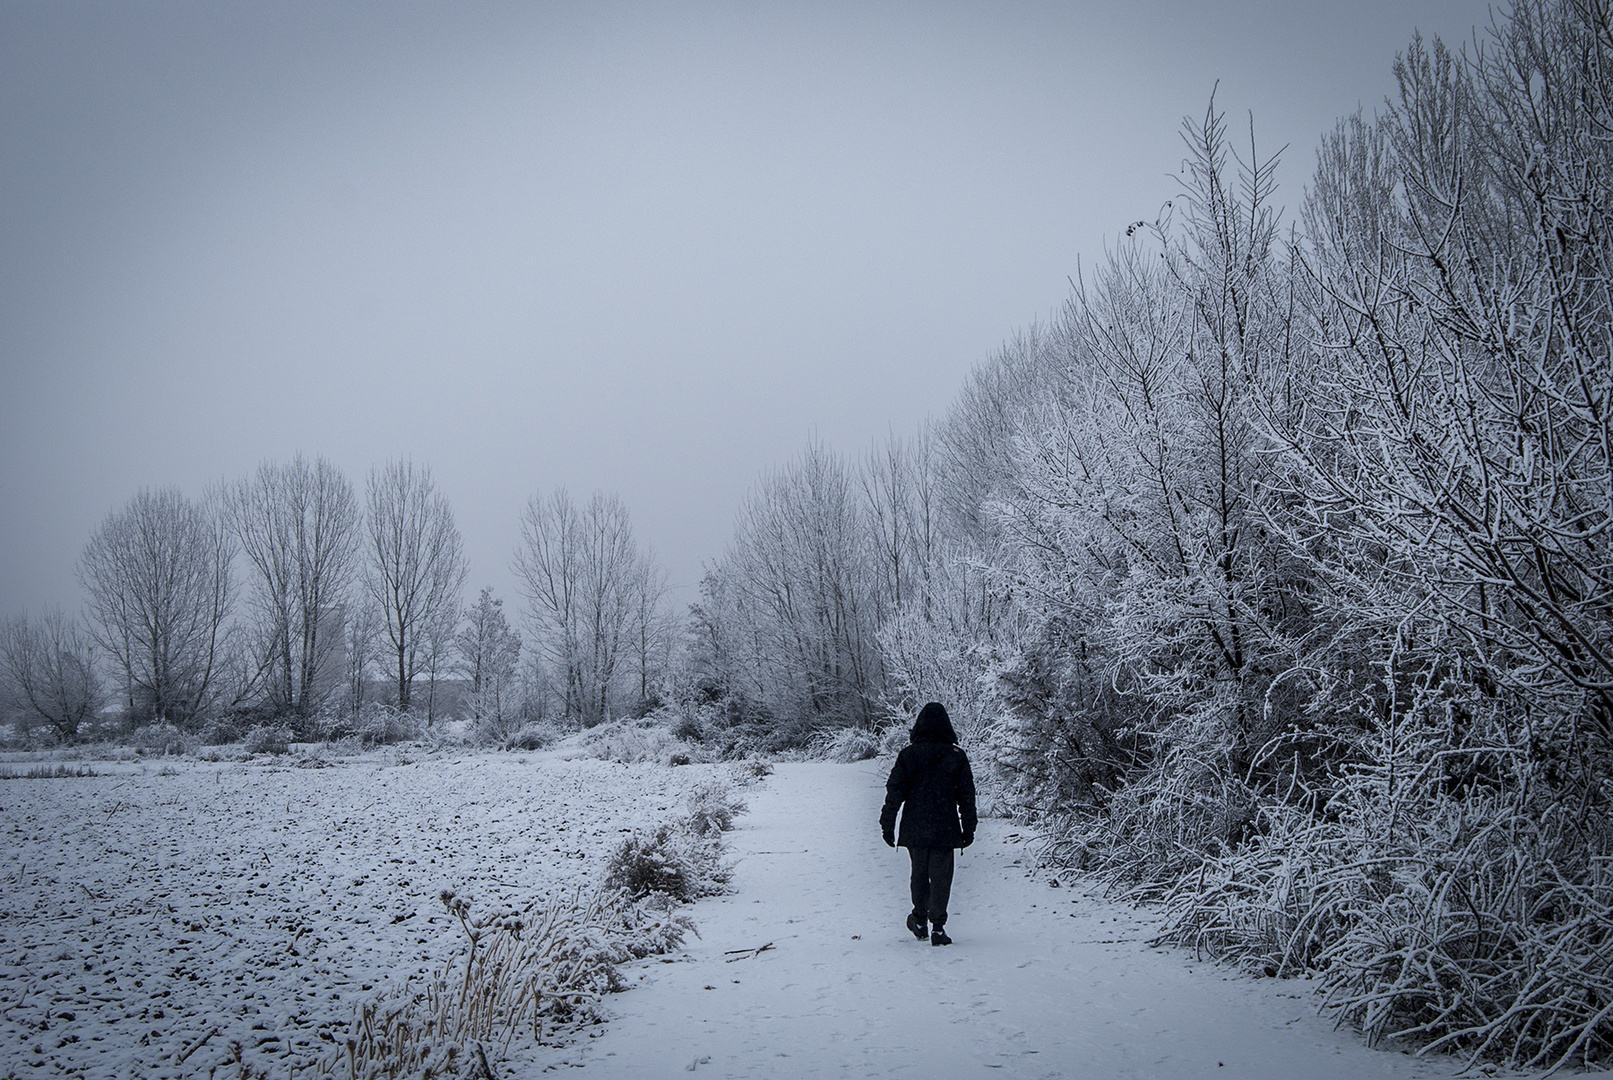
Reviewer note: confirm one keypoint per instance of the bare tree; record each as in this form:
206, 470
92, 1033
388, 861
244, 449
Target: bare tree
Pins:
651, 631
489, 652
361, 635
901, 495
974, 444
577, 568
47, 673
298, 527
416, 567
800, 594
158, 576
439, 656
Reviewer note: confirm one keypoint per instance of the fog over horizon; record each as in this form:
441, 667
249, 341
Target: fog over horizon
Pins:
645, 249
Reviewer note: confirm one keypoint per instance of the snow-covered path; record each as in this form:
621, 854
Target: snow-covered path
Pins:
1042, 982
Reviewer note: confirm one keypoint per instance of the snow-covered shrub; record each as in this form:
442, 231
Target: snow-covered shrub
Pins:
220, 731
448, 735
326, 725
892, 740
1450, 884
629, 742
1488, 933
343, 746
491, 730
845, 745
787, 735
1158, 826
719, 725
384, 724
502, 729
267, 739
749, 770
535, 735
1474, 920
691, 726
525, 974
680, 859
163, 739
712, 808
672, 860
650, 862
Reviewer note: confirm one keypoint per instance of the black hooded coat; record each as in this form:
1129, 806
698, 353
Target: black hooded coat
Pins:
932, 777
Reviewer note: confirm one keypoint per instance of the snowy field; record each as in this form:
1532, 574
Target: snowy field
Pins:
146, 907
160, 904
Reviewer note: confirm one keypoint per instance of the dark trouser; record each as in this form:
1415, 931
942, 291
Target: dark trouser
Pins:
932, 883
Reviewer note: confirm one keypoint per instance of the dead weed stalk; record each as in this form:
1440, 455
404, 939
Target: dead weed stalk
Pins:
545, 967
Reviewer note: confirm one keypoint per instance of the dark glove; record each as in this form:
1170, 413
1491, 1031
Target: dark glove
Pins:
890, 839
968, 838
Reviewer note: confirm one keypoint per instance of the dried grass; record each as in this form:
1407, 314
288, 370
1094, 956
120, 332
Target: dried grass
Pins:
681, 859
45, 772
1476, 923
845, 745
533, 972
712, 809
630, 742
750, 770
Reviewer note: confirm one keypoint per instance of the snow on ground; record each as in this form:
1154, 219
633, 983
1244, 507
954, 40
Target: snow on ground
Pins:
1042, 981
142, 908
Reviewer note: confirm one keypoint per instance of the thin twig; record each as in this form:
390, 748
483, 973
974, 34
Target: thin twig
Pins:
195, 1046
746, 954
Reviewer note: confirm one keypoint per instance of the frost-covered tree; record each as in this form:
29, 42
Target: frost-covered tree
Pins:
1450, 474
489, 652
414, 570
1131, 526
799, 597
157, 574
901, 492
652, 632
298, 526
48, 674
441, 658
947, 643
1306, 547
361, 641
1459, 445
579, 568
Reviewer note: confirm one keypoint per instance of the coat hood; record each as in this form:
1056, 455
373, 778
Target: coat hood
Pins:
934, 725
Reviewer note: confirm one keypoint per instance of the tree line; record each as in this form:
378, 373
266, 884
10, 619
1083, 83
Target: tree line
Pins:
284, 598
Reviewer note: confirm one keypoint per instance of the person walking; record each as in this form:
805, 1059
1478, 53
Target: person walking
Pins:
932, 777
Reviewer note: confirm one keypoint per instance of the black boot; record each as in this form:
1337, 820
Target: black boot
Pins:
938, 936
915, 923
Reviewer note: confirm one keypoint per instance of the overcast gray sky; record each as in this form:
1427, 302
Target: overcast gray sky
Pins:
649, 249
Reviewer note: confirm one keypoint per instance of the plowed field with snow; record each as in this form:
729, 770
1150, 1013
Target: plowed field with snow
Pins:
156, 913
